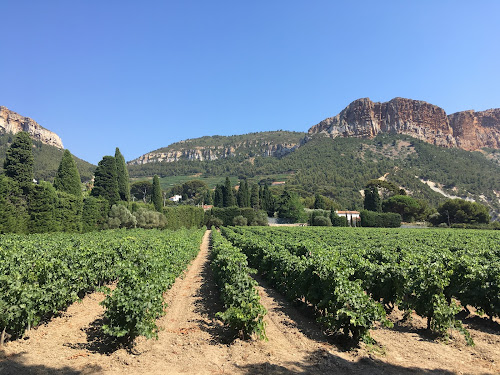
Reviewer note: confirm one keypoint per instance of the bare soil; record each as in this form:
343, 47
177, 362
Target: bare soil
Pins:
193, 341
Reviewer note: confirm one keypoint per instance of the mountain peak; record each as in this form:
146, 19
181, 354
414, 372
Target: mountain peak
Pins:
468, 130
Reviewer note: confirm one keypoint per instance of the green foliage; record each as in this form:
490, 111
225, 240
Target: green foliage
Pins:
141, 190
94, 214
409, 208
227, 194
338, 221
372, 200
68, 212
380, 220
42, 208
122, 176
18, 163
455, 211
195, 190
219, 196
290, 207
156, 195
150, 219
228, 214
120, 217
184, 217
243, 313
240, 220
14, 215
67, 178
106, 182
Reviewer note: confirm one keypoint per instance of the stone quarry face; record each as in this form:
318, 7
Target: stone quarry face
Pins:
468, 130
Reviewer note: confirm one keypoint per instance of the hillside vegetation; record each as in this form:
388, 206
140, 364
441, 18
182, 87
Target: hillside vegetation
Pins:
47, 159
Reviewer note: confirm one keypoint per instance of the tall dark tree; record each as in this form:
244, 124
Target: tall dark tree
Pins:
268, 201
18, 163
228, 195
156, 194
219, 196
122, 175
290, 207
254, 197
141, 190
106, 182
243, 195
42, 208
68, 178
372, 200
319, 202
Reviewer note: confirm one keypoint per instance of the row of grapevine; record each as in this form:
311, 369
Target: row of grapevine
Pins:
342, 303
425, 271
42, 274
244, 312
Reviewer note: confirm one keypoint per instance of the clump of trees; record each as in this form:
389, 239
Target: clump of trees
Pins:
460, 211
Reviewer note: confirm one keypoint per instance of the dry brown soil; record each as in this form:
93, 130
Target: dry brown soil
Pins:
193, 341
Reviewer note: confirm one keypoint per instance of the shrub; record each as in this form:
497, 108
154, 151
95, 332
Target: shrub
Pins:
150, 219
120, 217
380, 220
240, 221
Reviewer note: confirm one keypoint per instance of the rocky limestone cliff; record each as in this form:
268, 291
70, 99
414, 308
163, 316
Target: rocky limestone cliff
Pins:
248, 148
12, 122
363, 118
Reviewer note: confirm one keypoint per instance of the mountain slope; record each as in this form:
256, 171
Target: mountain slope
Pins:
468, 130
46, 159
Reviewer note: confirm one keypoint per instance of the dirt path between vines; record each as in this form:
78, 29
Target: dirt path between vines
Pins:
193, 341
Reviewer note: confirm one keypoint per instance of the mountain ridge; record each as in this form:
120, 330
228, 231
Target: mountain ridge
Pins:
468, 130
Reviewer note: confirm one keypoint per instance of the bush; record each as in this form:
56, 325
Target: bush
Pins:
150, 219
240, 220
184, 216
338, 221
94, 214
455, 211
322, 221
380, 220
120, 217
228, 214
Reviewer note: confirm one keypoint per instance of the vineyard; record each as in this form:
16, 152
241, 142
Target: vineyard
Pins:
353, 277
348, 281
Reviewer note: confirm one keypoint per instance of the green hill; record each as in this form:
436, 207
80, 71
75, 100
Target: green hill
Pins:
46, 159
340, 167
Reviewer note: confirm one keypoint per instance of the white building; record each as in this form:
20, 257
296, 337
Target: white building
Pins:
352, 217
175, 198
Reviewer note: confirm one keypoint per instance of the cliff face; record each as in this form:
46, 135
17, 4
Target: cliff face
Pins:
249, 148
12, 122
363, 118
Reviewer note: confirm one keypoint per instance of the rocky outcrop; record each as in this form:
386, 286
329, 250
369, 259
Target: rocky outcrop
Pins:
363, 118
12, 122
247, 149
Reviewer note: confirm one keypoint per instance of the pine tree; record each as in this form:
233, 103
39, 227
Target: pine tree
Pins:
18, 163
156, 195
122, 175
105, 182
68, 178
42, 208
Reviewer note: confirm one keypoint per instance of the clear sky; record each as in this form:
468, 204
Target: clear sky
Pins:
140, 75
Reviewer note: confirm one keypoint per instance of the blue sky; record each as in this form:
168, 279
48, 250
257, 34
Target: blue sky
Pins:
140, 75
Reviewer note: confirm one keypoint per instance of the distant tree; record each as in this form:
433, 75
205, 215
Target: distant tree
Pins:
13, 207
141, 190
68, 178
319, 202
268, 202
156, 194
455, 211
254, 197
106, 182
149, 219
122, 176
228, 195
290, 207
372, 199
120, 217
19, 160
240, 221
219, 196
409, 208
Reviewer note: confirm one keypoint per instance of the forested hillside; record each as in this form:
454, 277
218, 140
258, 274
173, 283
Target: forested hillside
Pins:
46, 159
339, 168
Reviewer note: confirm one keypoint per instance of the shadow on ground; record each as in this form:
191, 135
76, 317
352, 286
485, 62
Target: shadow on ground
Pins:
16, 365
323, 362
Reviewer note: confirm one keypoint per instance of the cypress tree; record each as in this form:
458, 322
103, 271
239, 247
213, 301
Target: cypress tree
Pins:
156, 195
105, 182
122, 175
219, 196
372, 199
68, 179
254, 197
18, 163
42, 208
228, 196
